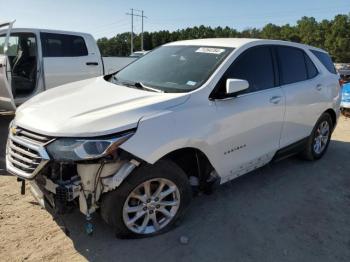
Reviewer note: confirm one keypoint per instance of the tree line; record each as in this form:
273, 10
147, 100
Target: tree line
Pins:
331, 35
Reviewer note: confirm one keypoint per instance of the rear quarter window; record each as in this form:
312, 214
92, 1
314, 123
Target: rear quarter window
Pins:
63, 45
325, 60
310, 66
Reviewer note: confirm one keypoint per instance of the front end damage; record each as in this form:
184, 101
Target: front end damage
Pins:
64, 186
68, 173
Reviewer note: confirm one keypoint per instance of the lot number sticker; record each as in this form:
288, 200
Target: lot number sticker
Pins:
210, 50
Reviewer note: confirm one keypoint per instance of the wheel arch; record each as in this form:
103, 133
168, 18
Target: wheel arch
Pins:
193, 161
333, 115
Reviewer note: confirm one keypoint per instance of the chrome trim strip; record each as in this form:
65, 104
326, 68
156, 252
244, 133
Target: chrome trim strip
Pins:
24, 159
27, 160
35, 136
22, 151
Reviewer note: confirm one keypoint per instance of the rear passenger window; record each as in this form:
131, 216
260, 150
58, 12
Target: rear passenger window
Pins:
310, 66
254, 65
62, 45
291, 64
325, 60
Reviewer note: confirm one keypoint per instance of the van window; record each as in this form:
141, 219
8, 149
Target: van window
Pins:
310, 66
325, 60
12, 45
254, 65
62, 45
291, 64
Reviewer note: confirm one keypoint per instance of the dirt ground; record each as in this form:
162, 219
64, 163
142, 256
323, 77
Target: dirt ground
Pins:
292, 210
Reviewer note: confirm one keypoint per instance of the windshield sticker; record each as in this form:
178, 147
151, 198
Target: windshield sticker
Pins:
191, 83
210, 50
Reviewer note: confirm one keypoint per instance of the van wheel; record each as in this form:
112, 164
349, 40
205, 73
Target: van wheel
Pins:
148, 202
319, 139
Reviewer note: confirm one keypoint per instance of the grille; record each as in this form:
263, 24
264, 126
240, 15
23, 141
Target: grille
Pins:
25, 152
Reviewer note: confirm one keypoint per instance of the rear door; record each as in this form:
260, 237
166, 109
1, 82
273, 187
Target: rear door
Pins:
68, 58
6, 98
304, 90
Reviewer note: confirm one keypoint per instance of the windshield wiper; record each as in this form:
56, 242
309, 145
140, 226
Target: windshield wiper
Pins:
138, 85
141, 85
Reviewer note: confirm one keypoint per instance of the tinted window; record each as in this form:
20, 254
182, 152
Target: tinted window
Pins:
311, 68
325, 60
254, 65
292, 65
60, 45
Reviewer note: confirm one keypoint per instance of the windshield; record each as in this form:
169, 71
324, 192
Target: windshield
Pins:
173, 68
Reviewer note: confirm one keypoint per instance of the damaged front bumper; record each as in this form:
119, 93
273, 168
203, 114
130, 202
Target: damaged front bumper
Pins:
62, 184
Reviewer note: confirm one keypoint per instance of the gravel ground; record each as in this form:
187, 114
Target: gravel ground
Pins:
292, 210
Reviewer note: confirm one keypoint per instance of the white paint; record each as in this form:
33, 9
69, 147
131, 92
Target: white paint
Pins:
167, 122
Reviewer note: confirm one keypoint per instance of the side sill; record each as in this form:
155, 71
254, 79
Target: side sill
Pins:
290, 150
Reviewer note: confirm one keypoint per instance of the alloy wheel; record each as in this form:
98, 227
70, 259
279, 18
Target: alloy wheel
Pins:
151, 206
321, 137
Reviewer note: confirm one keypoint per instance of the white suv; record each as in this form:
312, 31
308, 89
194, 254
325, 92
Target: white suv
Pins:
190, 114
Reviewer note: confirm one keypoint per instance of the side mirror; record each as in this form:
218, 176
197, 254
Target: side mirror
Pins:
235, 85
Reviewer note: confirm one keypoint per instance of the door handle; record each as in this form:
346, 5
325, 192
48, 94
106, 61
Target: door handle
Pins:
275, 99
92, 63
319, 87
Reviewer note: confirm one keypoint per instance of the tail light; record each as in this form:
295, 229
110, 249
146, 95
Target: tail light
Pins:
341, 82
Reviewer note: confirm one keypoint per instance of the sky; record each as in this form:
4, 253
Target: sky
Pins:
108, 17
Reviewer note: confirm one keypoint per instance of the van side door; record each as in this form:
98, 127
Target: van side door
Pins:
68, 58
248, 125
6, 97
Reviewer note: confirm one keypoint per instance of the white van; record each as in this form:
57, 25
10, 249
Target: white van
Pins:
190, 113
35, 60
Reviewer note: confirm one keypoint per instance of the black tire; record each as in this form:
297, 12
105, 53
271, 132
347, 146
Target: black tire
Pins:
112, 203
309, 153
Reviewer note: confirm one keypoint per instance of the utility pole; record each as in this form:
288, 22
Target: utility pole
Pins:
132, 14
142, 30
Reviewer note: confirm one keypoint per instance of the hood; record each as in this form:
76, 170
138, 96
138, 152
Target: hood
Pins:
92, 107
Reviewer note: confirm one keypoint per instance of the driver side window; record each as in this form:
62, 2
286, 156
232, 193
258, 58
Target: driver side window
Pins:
254, 65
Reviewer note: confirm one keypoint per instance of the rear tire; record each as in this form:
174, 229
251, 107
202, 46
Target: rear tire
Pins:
319, 139
156, 214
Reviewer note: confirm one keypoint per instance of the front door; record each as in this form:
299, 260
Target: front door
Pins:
250, 124
6, 98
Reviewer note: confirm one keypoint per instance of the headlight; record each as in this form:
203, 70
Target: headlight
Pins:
75, 149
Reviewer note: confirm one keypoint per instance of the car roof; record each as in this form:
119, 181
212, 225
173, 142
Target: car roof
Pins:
26, 30
237, 42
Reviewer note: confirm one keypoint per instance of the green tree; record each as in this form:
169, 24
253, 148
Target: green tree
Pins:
337, 40
331, 35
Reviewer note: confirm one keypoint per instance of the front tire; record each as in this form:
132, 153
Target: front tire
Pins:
148, 202
319, 139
